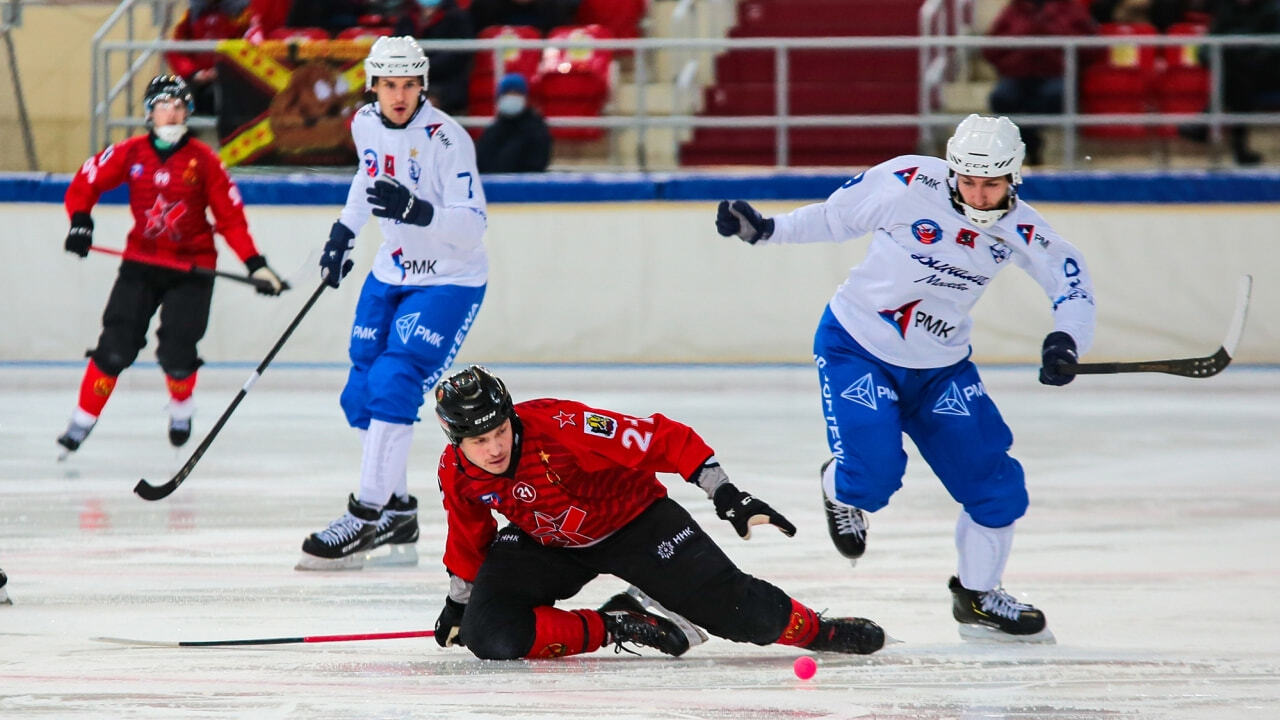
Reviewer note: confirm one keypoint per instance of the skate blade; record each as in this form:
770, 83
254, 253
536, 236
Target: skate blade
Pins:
403, 555
981, 634
695, 634
311, 562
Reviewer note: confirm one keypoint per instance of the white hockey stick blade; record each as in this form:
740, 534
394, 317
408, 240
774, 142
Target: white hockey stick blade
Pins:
1236, 330
693, 632
136, 643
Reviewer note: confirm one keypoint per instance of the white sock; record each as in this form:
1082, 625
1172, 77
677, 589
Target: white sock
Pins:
83, 418
829, 485
182, 409
385, 462
983, 553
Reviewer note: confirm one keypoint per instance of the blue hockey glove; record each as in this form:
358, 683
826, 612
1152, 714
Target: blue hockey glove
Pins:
392, 200
336, 261
80, 237
743, 510
1058, 348
739, 218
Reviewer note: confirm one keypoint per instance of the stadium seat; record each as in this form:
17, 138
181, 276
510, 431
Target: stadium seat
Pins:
1182, 86
621, 17
1120, 82
484, 81
298, 33
574, 81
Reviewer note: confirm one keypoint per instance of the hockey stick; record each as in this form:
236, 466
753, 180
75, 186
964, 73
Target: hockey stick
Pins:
184, 267
146, 490
1198, 367
268, 641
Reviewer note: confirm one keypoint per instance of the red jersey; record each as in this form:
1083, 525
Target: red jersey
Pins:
580, 474
168, 199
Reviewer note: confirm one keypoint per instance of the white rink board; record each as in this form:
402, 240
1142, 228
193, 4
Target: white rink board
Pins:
1150, 544
652, 282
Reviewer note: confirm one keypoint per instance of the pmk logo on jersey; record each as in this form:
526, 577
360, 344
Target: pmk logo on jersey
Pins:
1026, 232
926, 231
951, 402
370, 159
907, 175
396, 256
900, 317
864, 391
407, 327
597, 424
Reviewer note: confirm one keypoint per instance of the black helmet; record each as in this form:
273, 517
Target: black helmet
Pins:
163, 87
472, 402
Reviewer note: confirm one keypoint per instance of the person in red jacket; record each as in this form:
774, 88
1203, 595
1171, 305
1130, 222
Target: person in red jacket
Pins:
1031, 78
578, 487
173, 179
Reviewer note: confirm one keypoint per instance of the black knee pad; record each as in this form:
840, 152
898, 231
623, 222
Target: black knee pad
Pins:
179, 373
112, 361
503, 634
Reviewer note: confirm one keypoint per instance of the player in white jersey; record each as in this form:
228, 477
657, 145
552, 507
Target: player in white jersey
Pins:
418, 177
892, 348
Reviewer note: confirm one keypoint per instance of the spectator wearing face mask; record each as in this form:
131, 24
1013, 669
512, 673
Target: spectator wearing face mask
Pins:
518, 141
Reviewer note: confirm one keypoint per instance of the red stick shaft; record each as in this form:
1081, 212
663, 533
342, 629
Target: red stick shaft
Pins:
148, 259
369, 636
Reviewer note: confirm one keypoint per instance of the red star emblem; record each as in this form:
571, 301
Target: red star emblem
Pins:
162, 217
564, 418
561, 529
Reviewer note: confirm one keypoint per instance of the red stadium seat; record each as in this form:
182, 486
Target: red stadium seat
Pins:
620, 17
484, 81
574, 81
298, 33
360, 32
1183, 85
1130, 56
1120, 82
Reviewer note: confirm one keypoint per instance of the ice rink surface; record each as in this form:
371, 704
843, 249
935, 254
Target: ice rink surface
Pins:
1152, 544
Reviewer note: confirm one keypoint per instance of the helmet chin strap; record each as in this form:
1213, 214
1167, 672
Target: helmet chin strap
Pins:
981, 218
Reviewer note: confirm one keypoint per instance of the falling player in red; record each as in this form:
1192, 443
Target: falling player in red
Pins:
173, 179
578, 487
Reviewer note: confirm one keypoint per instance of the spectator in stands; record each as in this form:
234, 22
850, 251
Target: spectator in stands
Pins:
450, 72
1031, 78
518, 141
1250, 73
333, 16
207, 20
542, 14
1158, 13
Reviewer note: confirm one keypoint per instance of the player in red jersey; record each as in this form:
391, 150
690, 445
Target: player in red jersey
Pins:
578, 487
173, 179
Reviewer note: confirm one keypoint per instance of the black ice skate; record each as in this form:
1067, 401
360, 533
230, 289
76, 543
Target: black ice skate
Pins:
179, 431
4, 594
855, 636
996, 615
73, 437
397, 529
626, 621
636, 600
342, 545
846, 524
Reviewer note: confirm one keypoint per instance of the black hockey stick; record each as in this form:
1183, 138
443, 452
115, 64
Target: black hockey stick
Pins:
146, 490
1198, 367
185, 267
269, 641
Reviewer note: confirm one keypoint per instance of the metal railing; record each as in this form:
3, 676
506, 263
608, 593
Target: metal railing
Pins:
927, 121
11, 17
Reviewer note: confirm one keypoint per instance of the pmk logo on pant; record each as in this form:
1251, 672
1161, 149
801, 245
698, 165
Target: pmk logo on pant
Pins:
407, 327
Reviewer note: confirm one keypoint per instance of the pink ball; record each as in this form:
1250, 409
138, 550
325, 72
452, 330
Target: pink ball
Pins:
805, 667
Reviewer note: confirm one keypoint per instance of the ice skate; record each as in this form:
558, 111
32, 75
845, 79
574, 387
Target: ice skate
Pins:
846, 524
396, 535
77, 431
626, 621
343, 544
851, 635
4, 594
180, 422
996, 616
641, 600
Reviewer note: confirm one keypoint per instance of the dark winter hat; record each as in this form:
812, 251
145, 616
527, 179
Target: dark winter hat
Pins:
513, 83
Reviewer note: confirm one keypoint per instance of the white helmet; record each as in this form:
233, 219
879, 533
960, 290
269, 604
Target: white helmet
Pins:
395, 57
986, 147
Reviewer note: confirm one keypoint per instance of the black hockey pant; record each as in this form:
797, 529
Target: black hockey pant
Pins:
183, 300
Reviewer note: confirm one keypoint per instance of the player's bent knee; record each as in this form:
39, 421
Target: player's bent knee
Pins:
113, 362
493, 646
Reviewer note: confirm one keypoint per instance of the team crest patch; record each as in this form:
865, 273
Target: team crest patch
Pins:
491, 498
900, 317
524, 492
926, 231
370, 162
597, 424
999, 252
906, 175
1026, 232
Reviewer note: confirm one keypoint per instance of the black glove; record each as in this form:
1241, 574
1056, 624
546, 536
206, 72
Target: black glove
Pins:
1058, 348
336, 261
80, 236
739, 218
392, 200
265, 280
449, 623
743, 510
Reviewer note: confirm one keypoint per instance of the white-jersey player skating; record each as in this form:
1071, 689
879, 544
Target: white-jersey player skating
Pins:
892, 348
418, 175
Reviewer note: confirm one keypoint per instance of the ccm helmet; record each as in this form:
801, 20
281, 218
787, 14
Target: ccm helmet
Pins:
167, 87
472, 402
985, 147
395, 57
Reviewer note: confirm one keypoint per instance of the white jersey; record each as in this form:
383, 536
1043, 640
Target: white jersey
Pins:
908, 302
434, 157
